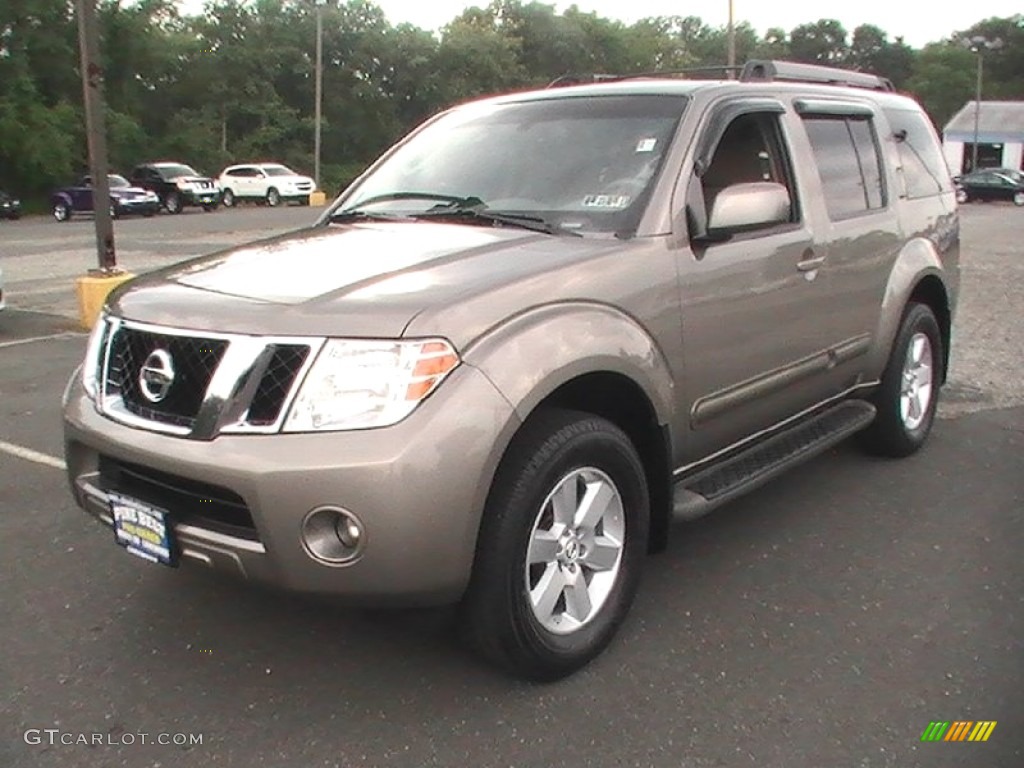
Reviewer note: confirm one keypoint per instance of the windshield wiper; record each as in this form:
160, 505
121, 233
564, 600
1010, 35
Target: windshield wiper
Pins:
475, 208
357, 214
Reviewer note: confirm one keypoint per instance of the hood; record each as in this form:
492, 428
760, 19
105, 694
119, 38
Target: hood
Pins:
120, 192
362, 280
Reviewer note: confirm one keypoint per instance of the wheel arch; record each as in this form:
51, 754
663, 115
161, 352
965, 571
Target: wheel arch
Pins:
919, 275
595, 359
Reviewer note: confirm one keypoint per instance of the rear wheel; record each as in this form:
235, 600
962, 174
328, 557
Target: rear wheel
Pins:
1018, 198
561, 546
962, 196
909, 393
273, 197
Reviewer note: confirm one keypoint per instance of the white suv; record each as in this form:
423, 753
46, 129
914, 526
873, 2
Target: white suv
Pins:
268, 182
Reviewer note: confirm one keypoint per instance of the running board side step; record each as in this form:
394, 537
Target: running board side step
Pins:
700, 493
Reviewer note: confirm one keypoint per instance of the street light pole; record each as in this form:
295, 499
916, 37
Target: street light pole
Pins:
977, 118
978, 45
96, 132
319, 91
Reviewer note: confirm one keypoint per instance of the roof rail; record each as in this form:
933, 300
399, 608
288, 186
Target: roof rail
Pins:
575, 79
768, 71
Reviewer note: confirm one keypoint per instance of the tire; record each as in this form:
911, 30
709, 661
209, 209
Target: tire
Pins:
507, 615
61, 211
228, 199
273, 197
113, 212
173, 203
1018, 198
905, 418
962, 196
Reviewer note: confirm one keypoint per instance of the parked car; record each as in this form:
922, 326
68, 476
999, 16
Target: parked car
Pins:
178, 185
991, 184
124, 199
271, 183
536, 331
10, 207
3, 299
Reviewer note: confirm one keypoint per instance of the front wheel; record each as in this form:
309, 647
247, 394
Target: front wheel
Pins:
561, 546
228, 199
962, 196
909, 393
61, 211
173, 203
1018, 198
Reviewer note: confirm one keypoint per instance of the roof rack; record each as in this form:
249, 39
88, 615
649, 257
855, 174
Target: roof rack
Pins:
753, 71
770, 71
578, 79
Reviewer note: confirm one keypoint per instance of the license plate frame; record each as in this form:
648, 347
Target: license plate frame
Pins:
143, 529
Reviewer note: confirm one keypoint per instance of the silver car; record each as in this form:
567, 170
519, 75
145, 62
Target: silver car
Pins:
538, 330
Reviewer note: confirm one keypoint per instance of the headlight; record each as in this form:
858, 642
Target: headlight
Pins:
357, 384
92, 364
181, 184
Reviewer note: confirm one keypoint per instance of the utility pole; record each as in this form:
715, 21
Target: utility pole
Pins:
96, 131
319, 91
732, 42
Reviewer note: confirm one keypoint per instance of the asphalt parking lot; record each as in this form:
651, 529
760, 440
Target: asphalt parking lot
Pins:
823, 621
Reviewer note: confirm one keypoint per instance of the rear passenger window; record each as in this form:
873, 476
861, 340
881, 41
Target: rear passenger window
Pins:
846, 151
925, 172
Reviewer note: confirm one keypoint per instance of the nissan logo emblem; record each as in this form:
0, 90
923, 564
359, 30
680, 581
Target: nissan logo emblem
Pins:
157, 375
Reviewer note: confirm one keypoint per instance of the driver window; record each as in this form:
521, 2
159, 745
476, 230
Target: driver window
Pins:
750, 150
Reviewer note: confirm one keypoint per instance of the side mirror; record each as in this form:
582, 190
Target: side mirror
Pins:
754, 204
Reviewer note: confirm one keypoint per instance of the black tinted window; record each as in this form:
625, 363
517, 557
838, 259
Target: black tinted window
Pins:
847, 157
925, 171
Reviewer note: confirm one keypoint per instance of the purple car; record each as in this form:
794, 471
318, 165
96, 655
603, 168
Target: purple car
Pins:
124, 199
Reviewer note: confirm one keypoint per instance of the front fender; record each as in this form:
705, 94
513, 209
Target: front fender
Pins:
918, 260
61, 197
532, 354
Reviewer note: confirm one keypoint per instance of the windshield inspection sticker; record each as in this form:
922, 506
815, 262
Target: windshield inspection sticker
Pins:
646, 145
607, 201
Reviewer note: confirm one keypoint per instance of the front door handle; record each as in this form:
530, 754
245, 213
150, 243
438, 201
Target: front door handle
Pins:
809, 262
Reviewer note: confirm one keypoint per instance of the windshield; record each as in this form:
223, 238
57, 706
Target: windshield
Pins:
116, 181
584, 164
278, 170
175, 171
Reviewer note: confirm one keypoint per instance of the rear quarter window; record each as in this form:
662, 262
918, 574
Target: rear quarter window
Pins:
924, 169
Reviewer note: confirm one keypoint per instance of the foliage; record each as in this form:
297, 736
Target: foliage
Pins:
236, 81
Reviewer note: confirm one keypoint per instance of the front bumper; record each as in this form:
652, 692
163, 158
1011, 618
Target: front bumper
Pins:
137, 207
418, 488
201, 196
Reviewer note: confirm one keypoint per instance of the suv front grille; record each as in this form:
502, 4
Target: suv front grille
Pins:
198, 386
187, 501
194, 361
276, 383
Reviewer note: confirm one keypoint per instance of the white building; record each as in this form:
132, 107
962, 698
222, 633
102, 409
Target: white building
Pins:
1000, 136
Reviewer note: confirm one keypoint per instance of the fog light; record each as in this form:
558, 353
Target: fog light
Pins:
333, 535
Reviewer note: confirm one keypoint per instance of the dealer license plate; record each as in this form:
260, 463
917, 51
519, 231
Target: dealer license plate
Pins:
142, 529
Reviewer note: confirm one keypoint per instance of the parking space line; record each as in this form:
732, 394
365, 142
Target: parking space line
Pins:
29, 455
62, 335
